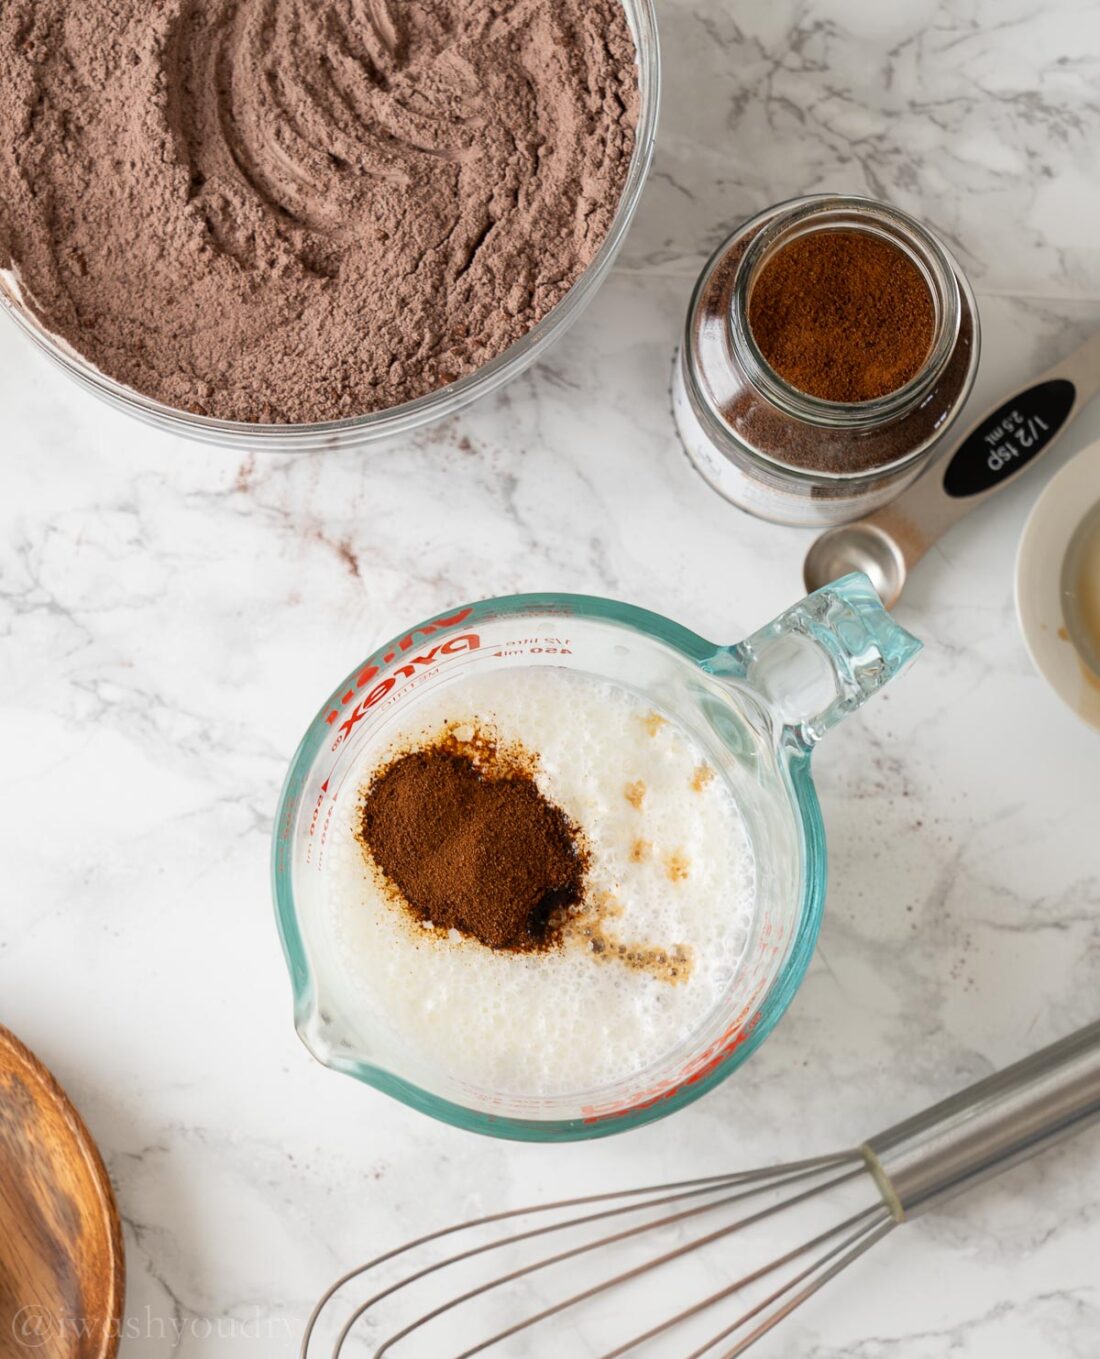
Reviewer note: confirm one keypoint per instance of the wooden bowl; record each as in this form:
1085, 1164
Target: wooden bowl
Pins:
62, 1277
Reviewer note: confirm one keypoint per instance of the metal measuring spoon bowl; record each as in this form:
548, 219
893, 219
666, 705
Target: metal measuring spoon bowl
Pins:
862, 546
1005, 442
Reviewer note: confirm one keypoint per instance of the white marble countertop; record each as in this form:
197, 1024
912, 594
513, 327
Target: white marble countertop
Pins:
171, 616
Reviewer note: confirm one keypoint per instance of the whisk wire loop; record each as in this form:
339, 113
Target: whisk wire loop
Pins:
836, 1170
684, 1187
626, 1276
933, 1156
858, 1243
861, 1220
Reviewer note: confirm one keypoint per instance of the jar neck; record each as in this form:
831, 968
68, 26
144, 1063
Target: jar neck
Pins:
834, 213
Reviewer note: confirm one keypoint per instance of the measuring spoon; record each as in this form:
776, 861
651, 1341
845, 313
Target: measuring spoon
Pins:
887, 545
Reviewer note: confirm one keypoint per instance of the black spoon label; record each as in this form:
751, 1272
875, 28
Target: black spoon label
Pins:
1006, 441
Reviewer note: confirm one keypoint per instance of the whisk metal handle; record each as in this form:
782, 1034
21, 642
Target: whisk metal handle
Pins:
1002, 1120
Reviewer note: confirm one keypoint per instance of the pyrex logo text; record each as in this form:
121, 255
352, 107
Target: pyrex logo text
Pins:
377, 662
453, 646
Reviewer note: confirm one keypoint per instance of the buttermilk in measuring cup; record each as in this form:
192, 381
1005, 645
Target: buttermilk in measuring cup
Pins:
632, 966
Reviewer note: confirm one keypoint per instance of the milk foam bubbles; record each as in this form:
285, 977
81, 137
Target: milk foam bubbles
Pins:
671, 867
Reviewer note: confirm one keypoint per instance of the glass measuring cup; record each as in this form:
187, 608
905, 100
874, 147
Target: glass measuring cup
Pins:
757, 709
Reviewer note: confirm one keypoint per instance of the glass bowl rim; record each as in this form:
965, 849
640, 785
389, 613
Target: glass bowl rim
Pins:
794, 763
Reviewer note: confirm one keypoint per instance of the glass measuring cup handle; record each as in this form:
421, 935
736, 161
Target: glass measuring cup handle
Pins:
823, 658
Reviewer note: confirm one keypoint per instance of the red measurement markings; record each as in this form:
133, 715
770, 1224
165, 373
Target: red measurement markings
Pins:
377, 663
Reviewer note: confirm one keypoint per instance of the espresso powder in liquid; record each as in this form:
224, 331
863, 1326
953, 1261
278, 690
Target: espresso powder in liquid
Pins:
300, 210
474, 850
643, 961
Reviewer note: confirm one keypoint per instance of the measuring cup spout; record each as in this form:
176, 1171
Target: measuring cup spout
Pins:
826, 656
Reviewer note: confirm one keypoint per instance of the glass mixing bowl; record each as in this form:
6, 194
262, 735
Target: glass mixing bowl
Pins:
757, 709
356, 431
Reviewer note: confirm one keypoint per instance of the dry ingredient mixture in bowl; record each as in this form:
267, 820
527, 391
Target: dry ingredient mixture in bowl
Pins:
289, 213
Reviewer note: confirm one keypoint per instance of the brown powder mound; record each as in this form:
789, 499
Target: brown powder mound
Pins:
488, 856
299, 210
842, 315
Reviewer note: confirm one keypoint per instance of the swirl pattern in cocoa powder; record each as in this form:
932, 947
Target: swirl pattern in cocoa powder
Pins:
295, 210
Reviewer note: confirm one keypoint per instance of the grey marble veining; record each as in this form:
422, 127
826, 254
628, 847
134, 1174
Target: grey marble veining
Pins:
171, 616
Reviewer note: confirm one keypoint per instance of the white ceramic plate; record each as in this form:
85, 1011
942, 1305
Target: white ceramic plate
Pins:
1040, 567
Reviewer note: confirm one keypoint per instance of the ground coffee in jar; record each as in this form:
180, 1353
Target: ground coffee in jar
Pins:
843, 315
830, 344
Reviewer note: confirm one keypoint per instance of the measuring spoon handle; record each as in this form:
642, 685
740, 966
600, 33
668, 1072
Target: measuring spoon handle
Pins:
1010, 438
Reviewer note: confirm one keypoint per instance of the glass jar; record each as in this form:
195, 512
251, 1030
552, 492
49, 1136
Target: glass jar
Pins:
778, 452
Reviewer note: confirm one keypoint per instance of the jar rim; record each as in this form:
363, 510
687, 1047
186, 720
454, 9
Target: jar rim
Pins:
848, 212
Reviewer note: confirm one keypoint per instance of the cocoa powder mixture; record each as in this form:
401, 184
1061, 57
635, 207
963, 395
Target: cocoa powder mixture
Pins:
299, 210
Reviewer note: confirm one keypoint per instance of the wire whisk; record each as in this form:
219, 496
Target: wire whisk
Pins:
570, 1256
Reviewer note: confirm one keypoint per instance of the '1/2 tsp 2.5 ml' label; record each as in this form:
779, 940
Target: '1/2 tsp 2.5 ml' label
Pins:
1007, 440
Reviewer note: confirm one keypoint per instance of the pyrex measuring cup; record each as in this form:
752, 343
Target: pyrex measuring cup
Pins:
757, 709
